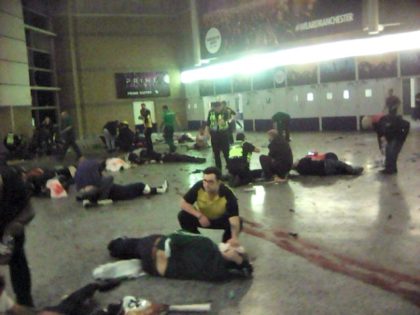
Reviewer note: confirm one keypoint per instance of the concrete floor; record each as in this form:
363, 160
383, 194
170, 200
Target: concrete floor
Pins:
357, 250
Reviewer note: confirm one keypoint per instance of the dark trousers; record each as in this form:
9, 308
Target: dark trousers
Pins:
191, 224
75, 303
71, 143
392, 151
272, 167
168, 135
148, 138
337, 167
126, 192
220, 143
175, 157
19, 273
241, 170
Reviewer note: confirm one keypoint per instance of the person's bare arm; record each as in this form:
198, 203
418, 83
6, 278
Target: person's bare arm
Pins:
235, 228
186, 206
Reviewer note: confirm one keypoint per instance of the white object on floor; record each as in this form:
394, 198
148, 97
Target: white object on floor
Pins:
56, 189
128, 269
116, 164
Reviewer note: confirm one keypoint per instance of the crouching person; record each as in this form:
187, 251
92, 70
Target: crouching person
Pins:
96, 189
210, 204
239, 162
278, 163
183, 255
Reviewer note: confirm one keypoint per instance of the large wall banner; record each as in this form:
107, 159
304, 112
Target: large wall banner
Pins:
142, 84
236, 26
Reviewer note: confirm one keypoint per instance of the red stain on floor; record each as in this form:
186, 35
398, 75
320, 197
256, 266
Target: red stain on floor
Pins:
406, 286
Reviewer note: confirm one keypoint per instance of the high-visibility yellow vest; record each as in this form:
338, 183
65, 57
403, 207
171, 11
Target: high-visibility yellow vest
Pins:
237, 151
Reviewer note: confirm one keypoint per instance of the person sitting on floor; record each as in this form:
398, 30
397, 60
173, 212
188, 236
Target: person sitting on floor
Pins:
239, 158
324, 165
279, 160
94, 188
183, 255
202, 139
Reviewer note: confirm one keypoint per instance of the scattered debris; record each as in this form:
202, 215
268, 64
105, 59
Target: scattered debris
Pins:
231, 294
295, 235
292, 210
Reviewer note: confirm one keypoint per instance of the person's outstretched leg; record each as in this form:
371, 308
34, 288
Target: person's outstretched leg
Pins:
20, 274
131, 191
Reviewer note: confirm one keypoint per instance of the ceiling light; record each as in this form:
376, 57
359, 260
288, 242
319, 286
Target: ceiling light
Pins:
305, 55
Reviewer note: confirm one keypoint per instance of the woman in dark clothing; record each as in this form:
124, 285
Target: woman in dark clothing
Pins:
279, 160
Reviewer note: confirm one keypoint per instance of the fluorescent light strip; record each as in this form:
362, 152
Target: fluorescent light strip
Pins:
304, 55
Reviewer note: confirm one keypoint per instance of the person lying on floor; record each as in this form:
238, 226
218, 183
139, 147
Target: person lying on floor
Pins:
150, 157
93, 187
324, 165
38, 178
183, 255
74, 304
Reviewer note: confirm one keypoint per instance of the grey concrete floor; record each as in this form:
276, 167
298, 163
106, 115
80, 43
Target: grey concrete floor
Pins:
357, 249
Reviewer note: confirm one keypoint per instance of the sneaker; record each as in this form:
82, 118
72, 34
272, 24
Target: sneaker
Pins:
162, 189
89, 204
357, 170
105, 202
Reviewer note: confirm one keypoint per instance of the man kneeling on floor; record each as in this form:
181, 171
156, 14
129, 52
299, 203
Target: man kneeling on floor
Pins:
96, 189
210, 204
239, 159
183, 255
324, 165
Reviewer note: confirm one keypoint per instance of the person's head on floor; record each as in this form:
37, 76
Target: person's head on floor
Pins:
331, 156
240, 136
238, 256
366, 122
272, 134
212, 179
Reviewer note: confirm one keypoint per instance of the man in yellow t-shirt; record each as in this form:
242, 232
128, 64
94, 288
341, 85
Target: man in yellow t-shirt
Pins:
210, 204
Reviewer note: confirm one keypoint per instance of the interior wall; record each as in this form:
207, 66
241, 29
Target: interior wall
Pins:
14, 72
307, 104
107, 45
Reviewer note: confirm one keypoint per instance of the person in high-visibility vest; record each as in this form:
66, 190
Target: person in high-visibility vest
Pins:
218, 125
239, 161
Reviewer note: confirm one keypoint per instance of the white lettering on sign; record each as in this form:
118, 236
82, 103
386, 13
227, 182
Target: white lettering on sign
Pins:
332, 20
213, 40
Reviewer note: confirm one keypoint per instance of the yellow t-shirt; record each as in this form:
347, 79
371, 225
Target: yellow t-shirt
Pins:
224, 204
